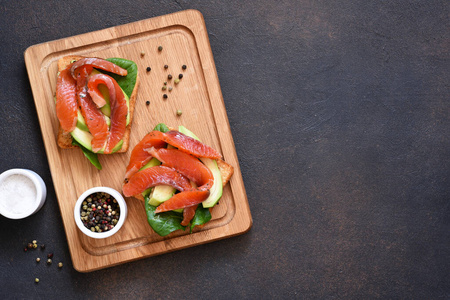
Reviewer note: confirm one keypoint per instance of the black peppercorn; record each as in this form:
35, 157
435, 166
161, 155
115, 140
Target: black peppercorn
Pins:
166, 66
160, 48
169, 76
180, 76
147, 102
165, 96
149, 69
184, 67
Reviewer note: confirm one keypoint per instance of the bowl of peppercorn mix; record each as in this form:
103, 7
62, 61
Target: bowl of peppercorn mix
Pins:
100, 212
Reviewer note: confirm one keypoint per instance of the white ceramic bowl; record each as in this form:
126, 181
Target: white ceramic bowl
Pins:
104, 234
13, 189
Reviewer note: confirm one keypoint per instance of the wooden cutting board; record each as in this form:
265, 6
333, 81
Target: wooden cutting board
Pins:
184, 39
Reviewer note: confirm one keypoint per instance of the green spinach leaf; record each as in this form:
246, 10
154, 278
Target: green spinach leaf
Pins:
128, 82
202, 216
93, 158
163, 223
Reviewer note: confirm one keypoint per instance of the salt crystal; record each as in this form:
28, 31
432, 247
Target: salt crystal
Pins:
17, 194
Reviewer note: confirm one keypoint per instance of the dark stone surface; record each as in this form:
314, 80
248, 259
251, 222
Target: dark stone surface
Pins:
340, 115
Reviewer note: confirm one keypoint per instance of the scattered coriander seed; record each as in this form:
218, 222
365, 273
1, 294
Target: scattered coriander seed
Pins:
176, 81
36, 280
180, 76
160, 48
34, 241
38, 259
49, 261
142, 54
179, 112
183, 67
169, 76
164, 87
147, 102
165, 96
148, 69
166, 66
60, 264
170, 88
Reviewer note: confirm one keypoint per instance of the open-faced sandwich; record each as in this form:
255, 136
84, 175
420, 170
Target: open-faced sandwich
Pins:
95, 100
179, 178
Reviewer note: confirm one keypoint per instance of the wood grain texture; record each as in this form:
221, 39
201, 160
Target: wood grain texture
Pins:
185, 42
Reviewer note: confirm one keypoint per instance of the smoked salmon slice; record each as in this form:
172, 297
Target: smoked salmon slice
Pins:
157, 139
188, 215
139, 157
94, 118
66, 100
190, 145
154, 176
119, 109
183, 200
98, 63
95, 93
186, 164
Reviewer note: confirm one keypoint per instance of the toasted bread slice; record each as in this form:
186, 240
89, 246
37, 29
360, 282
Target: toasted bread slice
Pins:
64, 139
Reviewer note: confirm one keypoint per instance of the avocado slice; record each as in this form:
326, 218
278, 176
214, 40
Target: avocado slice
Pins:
83, 137
160, 193
81, 123
217, 188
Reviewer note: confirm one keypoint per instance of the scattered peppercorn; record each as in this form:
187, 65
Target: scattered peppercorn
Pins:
142, 54
148, 69
38, 259
165, 82
147, 102
164, 87
160, 48
50, 255
165, 96
166, 66
179, 112
34, 241
36, 280
170, 88
60, 264
25, 249
34, 246
184, 67
30, 245
180, 76
49, 261
42, 246
169, 76
176, 81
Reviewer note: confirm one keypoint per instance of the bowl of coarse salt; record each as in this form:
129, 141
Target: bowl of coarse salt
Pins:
22, 193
